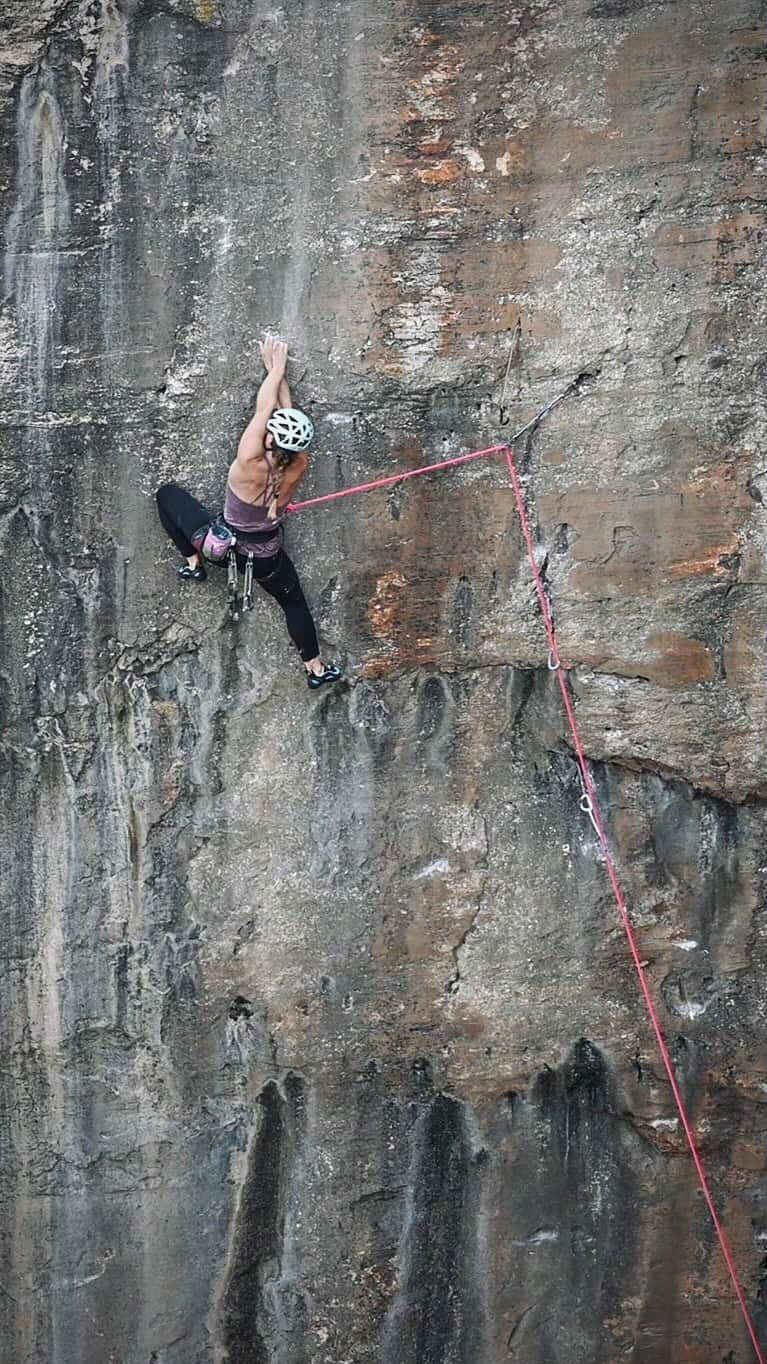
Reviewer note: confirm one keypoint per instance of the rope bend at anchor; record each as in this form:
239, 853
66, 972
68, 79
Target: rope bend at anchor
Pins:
389, 479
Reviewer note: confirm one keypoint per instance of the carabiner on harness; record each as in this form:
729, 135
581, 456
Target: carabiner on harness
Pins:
232, 584
247, 591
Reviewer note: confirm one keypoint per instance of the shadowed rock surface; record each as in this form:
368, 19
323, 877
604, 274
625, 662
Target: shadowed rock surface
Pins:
321, 1042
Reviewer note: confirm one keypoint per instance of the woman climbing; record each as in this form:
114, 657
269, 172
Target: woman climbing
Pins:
271, 461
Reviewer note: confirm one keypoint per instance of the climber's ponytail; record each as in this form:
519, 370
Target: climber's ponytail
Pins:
282, 458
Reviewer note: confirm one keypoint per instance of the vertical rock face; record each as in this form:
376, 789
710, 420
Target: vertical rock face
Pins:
260, 1303
437, 1312
320, 1039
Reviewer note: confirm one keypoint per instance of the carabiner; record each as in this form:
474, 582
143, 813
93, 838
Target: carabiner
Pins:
247, 591
587, 806
232, 584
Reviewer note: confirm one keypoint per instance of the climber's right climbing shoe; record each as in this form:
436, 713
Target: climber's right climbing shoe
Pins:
330, 673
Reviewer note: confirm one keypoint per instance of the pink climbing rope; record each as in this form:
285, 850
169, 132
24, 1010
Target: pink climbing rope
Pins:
591, 807
394, 478
572, 387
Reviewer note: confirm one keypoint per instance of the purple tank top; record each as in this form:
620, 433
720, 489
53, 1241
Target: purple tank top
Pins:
251, 516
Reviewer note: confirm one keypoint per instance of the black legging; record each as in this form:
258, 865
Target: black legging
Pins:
182, 515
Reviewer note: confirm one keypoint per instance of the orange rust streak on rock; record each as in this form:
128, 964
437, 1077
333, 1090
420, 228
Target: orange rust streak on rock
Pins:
710, 562
383, 604
442, 174
438, 148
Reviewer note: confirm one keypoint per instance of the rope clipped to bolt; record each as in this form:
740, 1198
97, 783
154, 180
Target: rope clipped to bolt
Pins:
443, 463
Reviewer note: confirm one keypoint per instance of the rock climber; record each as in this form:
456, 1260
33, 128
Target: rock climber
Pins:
271, 461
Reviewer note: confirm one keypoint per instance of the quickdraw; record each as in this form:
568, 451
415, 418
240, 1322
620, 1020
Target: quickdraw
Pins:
232, 585
247, 591
504, 416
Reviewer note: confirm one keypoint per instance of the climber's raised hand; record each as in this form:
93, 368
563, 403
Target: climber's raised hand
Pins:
266, 348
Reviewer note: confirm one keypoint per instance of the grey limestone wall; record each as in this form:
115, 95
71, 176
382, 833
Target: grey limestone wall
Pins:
319, 1038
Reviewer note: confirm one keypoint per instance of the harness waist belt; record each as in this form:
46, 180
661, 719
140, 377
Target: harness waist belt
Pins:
258, 536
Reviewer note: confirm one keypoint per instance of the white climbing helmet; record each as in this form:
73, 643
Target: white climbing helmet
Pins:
292, 430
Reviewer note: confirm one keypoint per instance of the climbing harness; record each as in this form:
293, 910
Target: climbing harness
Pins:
588, 801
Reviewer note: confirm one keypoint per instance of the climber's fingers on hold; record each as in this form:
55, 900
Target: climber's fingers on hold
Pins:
279, 349
266, 349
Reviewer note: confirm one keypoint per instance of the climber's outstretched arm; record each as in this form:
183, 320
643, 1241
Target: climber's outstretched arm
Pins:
284, 398
251, 444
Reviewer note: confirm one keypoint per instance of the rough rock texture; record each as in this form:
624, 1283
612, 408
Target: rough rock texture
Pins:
320, 1039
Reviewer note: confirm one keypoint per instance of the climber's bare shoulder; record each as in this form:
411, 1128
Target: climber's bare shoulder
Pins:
248, 477
250, 449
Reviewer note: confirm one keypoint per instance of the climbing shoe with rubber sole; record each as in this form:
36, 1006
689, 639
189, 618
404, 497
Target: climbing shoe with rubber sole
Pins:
330, 673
